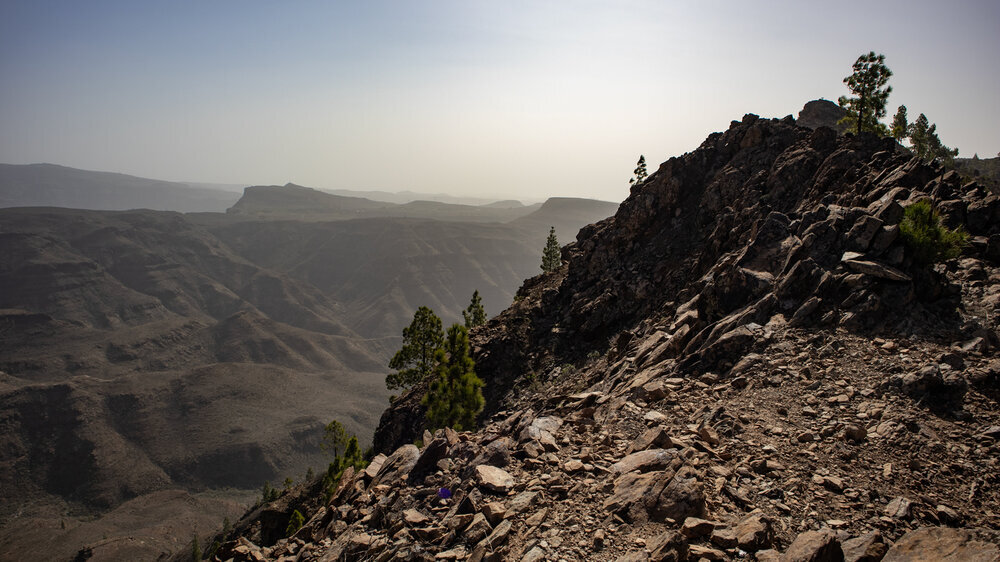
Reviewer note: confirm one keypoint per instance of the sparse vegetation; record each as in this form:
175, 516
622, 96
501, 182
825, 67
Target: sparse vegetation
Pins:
868, 84
475, 314
927, 239
455, 397
268, 493
534, 383
346, 453
551, 255
415, 361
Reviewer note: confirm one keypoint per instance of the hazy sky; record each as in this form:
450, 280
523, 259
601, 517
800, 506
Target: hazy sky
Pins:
497, 98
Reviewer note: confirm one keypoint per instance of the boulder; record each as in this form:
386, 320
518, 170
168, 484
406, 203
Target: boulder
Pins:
397, 466
541, 430
944, 544
656, 496
814, 546
493, 478
373, 467
865, 229
434, 450
654, 437
647, 460
944, 384
821, 113
866, 548
695, 527
497, 453
755, 532
669, 546
874, 269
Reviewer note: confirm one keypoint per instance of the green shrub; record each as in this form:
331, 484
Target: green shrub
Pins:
928, 241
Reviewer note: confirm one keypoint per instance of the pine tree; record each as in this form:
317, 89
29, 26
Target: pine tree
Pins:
927, 145
900, 128
268, 493
195, 548
353, 456
295, 523
334, 438
640, 172
475, 314
551, 255
347, 453
918, 137
455, 397
938, 151
345, 449
868, 84
415, 361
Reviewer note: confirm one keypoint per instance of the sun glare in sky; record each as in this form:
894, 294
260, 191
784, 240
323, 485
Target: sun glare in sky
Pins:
518, 99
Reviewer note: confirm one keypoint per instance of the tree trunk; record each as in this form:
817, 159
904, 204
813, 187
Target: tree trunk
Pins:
861, 112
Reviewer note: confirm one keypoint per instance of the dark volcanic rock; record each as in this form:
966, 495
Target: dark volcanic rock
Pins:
821, 113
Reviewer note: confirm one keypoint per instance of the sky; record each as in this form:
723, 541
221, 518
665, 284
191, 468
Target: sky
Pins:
505, 99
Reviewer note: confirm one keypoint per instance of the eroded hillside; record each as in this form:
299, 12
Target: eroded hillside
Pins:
153, 354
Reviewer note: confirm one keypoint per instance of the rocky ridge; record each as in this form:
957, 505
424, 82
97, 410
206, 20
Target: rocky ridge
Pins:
743, 363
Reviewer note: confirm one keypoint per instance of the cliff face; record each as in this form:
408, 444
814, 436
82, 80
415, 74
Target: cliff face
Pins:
745, 358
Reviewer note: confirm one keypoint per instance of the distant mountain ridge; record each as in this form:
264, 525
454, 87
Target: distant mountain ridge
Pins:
53, 185
403, 197
50, 185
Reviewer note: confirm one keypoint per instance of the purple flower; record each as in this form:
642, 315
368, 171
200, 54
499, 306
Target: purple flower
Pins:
444, 493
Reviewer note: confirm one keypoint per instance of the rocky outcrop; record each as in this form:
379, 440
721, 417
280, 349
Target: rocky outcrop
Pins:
766, 218
744, 359
821, 113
